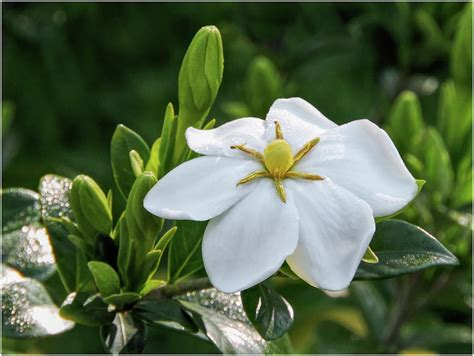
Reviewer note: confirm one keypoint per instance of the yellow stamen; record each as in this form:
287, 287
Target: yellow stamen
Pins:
278, 132
302, 175
305, 149
278, 159
249, 151
280, 189
253, 176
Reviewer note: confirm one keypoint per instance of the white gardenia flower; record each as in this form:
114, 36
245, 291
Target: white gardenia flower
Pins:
294, 187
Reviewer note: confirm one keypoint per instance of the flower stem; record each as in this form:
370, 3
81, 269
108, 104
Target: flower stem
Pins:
174, 290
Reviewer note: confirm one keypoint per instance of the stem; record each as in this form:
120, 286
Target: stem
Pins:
399, 314
175, 290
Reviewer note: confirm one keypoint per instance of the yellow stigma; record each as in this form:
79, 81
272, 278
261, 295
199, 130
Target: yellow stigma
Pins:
278, 158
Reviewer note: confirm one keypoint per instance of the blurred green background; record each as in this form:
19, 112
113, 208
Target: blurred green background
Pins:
72, 72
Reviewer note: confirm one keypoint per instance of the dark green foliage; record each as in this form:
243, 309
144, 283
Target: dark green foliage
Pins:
269, 312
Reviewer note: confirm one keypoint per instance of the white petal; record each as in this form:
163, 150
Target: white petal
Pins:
217, 142
360, 157
200, 189
335, 230
299, 120
249, 242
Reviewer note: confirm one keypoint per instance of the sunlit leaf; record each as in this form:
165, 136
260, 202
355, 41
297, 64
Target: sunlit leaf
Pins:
19, 207
126, 334
27, 309
221, 319
166, 313
86, 309
269, 312
70, 263
403, 248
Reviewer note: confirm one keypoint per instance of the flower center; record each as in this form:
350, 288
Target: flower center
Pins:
278, 161
278, 158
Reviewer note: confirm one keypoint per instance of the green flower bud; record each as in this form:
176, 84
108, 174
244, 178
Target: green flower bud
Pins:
199, 80
143, 227
90, 207
136, 163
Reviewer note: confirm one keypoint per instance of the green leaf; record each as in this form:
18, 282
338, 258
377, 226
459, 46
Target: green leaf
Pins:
142, 230
405, 122
27, 309
70, 263
28, 250
151, 285
90, 207
123, 141
263, 85
199, 80
373, 307
86, 309
126, 334
403, 248
269, 312
154, 163
105, 277
168, 137
184, 256
142, 226
461, 52
122, 299
230, 336
438, 169
8, 111
462, 191
167, 313
455, 119
280, 346
19, 207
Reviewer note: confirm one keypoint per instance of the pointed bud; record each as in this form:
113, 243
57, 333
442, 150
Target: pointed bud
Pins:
199, 80
90, 207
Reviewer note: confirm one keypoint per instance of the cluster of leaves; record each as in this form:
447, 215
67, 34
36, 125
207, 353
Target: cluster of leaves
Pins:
110, 283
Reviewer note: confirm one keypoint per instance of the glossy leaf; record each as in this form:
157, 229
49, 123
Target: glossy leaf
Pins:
167, 313
229, 336
19, 207
105, 277
403, 248
27, 309
221, 319
123, 141
184, 256
269, 312
70, 263
28, 250
168, 137
86, 309
125, 335
122, 299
